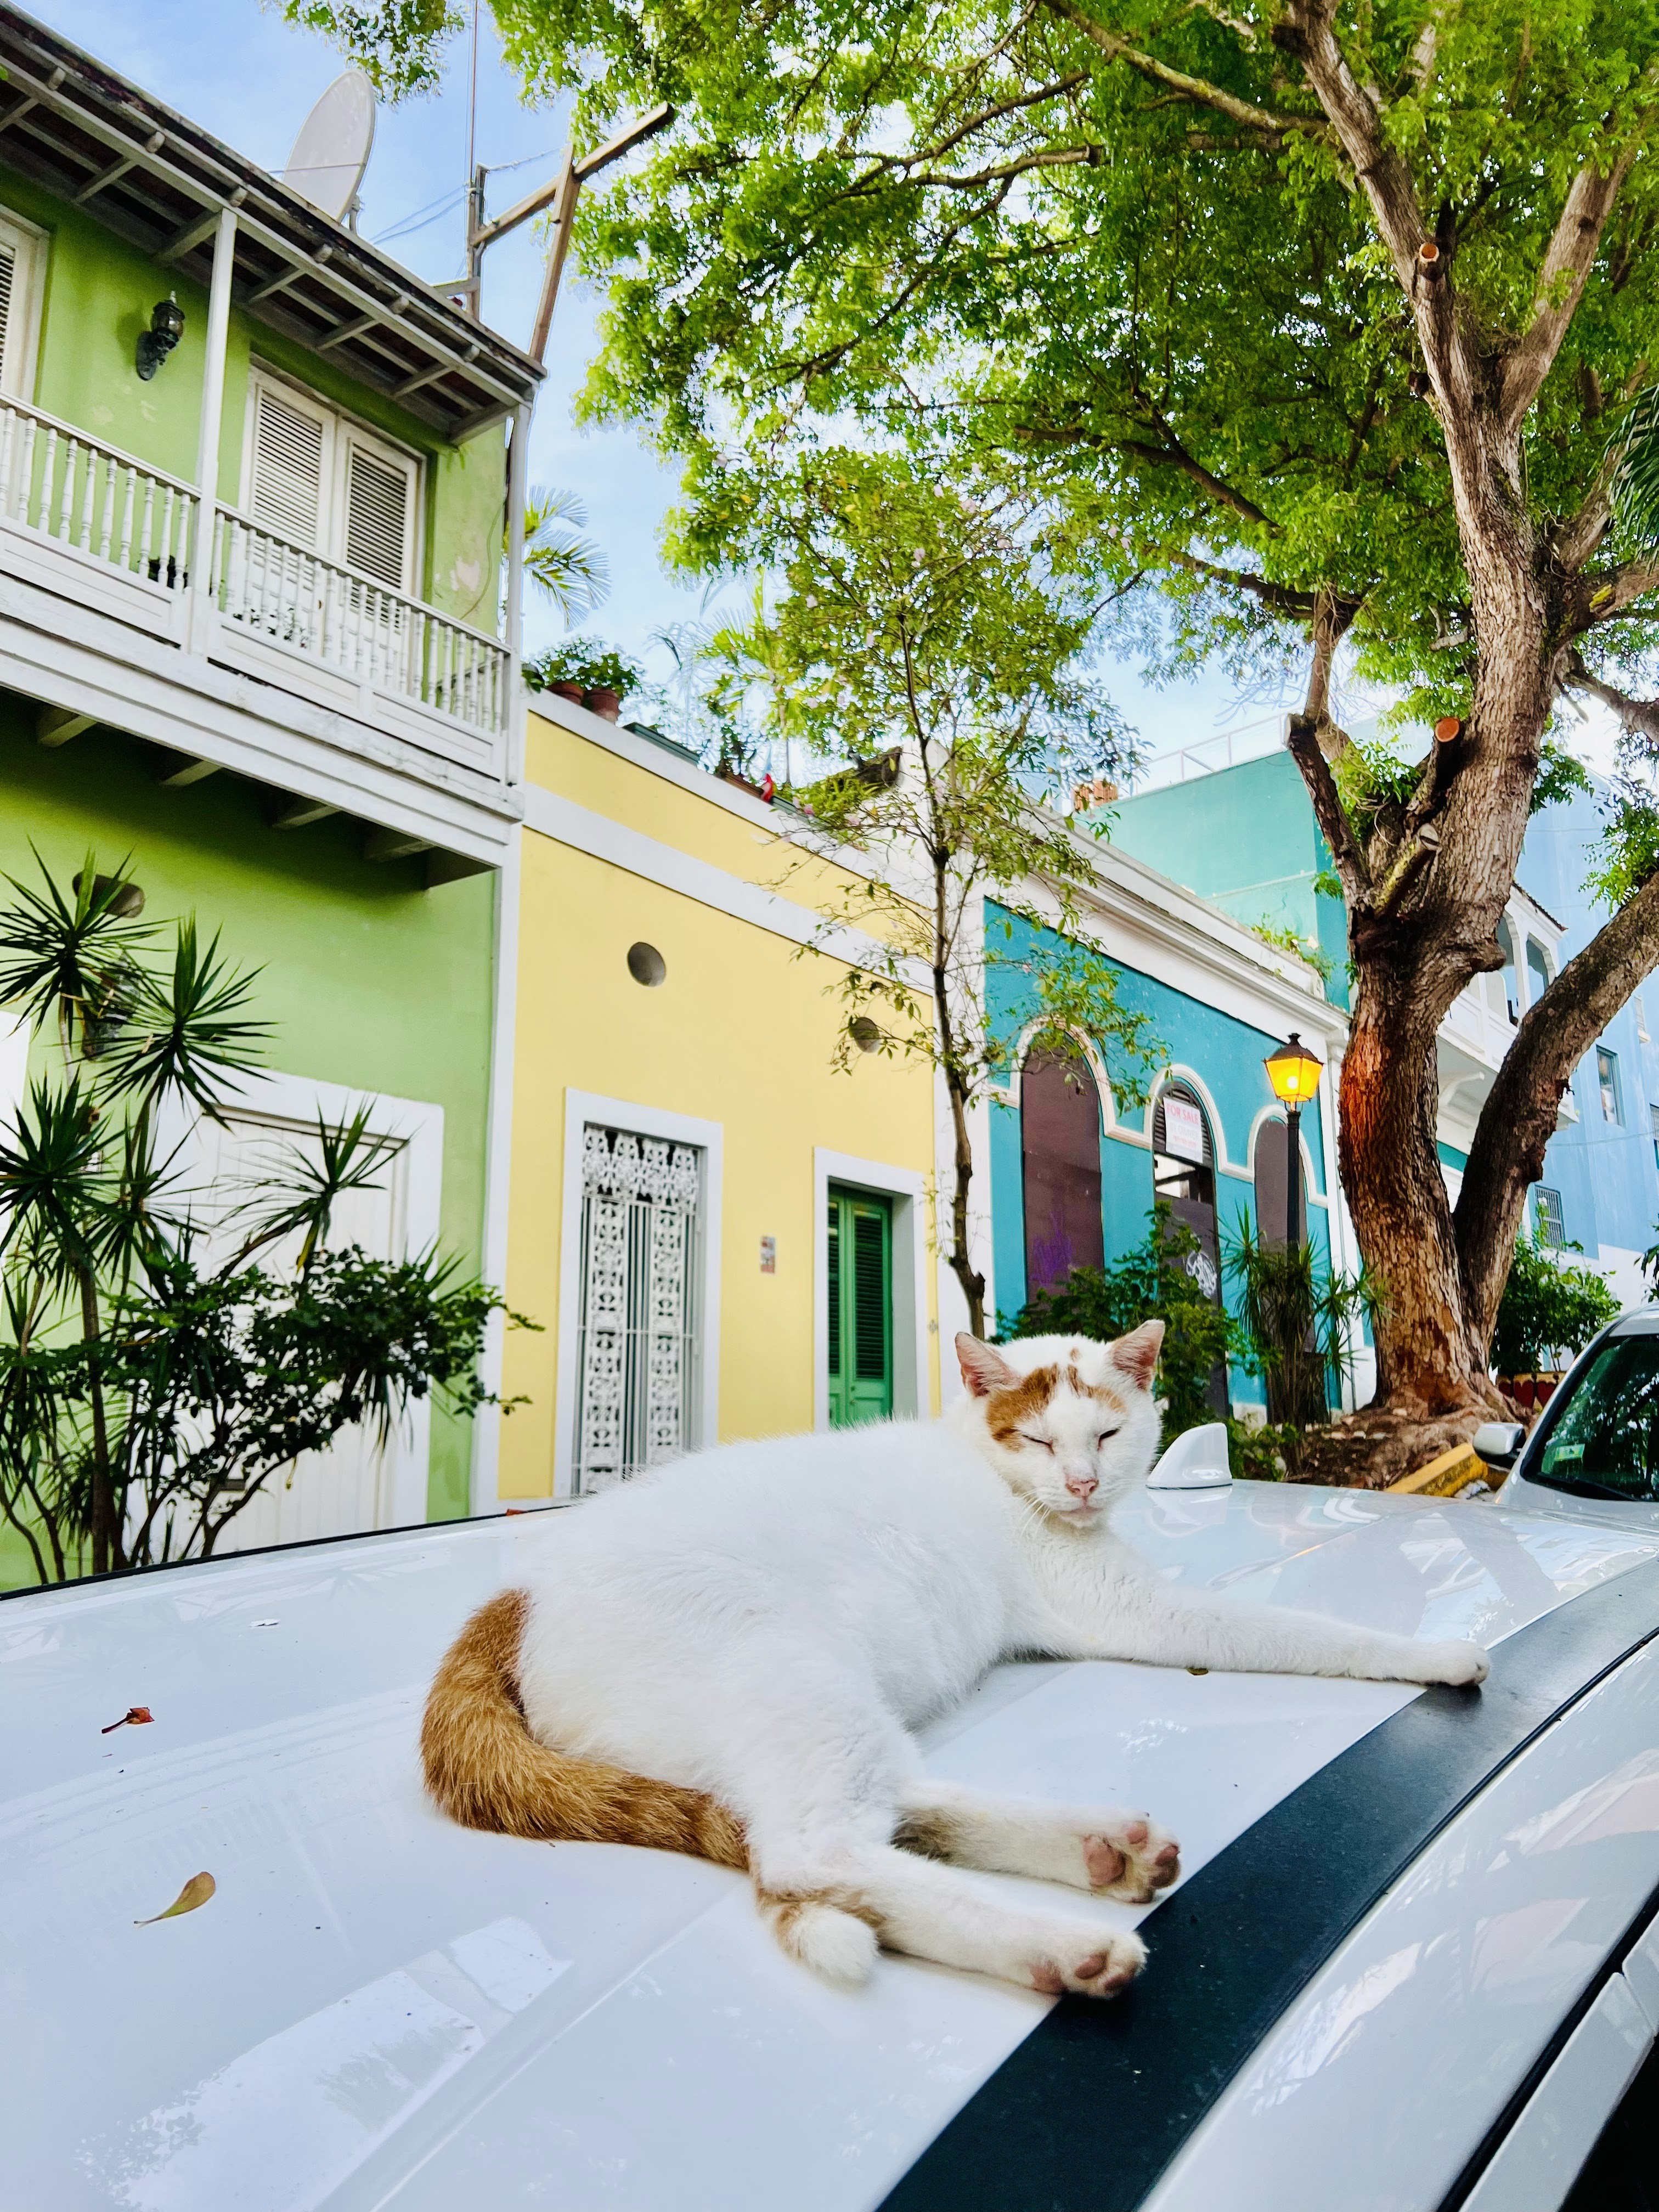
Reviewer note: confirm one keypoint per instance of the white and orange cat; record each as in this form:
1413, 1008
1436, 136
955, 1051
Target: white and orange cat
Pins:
730, 1655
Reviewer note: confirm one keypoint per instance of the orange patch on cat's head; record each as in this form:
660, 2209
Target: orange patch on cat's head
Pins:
1020, 1400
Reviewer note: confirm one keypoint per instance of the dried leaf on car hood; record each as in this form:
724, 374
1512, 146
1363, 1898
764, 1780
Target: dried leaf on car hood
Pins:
197, 1890
134, 1716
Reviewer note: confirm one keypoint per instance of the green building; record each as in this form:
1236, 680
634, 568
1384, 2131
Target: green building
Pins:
254, 639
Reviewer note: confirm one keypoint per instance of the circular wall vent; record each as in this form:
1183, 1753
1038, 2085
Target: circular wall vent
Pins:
645, 964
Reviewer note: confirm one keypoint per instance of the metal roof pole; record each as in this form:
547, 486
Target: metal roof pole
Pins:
202, 610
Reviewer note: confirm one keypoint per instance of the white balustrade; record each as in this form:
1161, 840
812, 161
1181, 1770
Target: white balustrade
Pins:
349, 623
62, 485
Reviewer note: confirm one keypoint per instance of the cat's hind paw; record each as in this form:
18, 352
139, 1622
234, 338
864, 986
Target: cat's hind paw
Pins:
1090, 1962
1131, 1860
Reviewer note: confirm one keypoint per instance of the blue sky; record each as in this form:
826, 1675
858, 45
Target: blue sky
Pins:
249, 78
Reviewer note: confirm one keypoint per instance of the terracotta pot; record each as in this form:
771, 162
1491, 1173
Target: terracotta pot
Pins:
606, 703
571, 691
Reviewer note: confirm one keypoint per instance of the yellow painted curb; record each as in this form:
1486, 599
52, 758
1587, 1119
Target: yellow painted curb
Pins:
1444, 1476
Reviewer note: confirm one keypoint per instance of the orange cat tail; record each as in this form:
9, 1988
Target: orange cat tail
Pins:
487, 1770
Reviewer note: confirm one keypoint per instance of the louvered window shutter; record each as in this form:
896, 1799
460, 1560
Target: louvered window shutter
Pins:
8, 293
379, 515
286, 494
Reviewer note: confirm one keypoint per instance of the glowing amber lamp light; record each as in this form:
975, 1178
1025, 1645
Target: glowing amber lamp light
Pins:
1293, 1072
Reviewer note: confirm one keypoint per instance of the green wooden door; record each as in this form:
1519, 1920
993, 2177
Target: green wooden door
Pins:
860, 1291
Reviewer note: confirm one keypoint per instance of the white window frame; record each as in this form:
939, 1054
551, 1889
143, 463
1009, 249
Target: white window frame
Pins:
341, 431
29, 243
581, 1107
418, 1126
907, 1189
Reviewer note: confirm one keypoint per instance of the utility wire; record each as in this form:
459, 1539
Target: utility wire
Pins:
423, 217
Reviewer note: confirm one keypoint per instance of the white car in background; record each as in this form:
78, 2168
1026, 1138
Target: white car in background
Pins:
1409, 1966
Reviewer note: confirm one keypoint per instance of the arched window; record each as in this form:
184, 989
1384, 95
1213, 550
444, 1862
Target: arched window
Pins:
1511, 983
1537, 971
1272, 1181
1060, 1147
1184, 1175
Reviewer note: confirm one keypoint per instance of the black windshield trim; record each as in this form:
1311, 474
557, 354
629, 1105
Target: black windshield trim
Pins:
1087, 2113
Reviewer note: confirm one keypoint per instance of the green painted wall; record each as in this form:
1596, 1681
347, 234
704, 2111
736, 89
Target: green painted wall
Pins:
371, 981
99, 292
1245, 839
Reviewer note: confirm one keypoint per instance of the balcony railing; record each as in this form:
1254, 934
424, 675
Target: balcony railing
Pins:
63, 486
120, 537
362, 628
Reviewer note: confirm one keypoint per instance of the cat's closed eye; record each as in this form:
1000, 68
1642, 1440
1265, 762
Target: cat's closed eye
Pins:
1104, 1438
1042, 1442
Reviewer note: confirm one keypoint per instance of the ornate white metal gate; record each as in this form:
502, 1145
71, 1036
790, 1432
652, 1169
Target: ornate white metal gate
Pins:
639, 1326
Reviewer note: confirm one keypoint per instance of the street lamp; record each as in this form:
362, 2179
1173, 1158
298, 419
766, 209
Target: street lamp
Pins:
1294, 1075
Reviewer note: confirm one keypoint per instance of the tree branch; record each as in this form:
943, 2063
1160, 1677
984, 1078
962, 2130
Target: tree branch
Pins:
1328, 812
1047, 157
1599, 594
1307, 33
1639, 716
1052, 90
1518, 1118
1173, 454
1278, 598
1197, 90
1567, 263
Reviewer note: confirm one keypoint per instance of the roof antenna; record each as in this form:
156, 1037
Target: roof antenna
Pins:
475, 185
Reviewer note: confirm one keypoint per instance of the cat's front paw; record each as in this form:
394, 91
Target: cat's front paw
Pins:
1131, 1860
1091, 1962
1459, 1664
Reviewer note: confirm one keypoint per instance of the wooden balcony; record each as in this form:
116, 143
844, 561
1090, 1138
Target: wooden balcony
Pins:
237, 649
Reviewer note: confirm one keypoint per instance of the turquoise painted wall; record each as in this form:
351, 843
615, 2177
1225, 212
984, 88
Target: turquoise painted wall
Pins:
1245, 839
370, 981
1226, 1056
99, 292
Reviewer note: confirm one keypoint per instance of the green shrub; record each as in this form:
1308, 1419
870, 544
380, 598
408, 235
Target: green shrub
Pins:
588, 661
1547, 1308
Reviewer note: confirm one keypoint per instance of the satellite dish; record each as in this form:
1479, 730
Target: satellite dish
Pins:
332, 151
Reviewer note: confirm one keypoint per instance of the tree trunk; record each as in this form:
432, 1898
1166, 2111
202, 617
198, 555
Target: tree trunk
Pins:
106, 1530
1391, 1174
1518, 1118
962, 1264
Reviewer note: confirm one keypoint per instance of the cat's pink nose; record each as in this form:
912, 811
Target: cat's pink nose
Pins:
1082, 1485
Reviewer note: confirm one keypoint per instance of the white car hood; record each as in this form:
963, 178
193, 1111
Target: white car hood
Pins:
377, 2008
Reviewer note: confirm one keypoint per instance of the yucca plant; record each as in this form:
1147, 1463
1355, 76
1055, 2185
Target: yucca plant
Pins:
159, 1360
1298, 1314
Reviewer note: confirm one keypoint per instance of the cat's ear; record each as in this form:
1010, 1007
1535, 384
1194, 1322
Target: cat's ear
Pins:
983, 1369
1136, 1354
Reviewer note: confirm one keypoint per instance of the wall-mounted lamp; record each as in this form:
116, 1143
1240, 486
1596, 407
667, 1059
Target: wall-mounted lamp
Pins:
167, 327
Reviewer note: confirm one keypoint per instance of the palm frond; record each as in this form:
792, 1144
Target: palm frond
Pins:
52, 1180
570, 569
301, 1195
63, 958
188, 1033
1635, 492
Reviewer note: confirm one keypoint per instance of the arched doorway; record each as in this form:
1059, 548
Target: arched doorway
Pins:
1183, 1177
1060, 1154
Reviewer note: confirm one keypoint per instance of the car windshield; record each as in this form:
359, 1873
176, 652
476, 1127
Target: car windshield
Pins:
1605, 1439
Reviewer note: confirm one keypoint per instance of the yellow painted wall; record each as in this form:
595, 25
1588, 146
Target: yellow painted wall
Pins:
741, 1032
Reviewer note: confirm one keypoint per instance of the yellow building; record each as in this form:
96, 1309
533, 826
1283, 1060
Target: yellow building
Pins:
721, 1233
